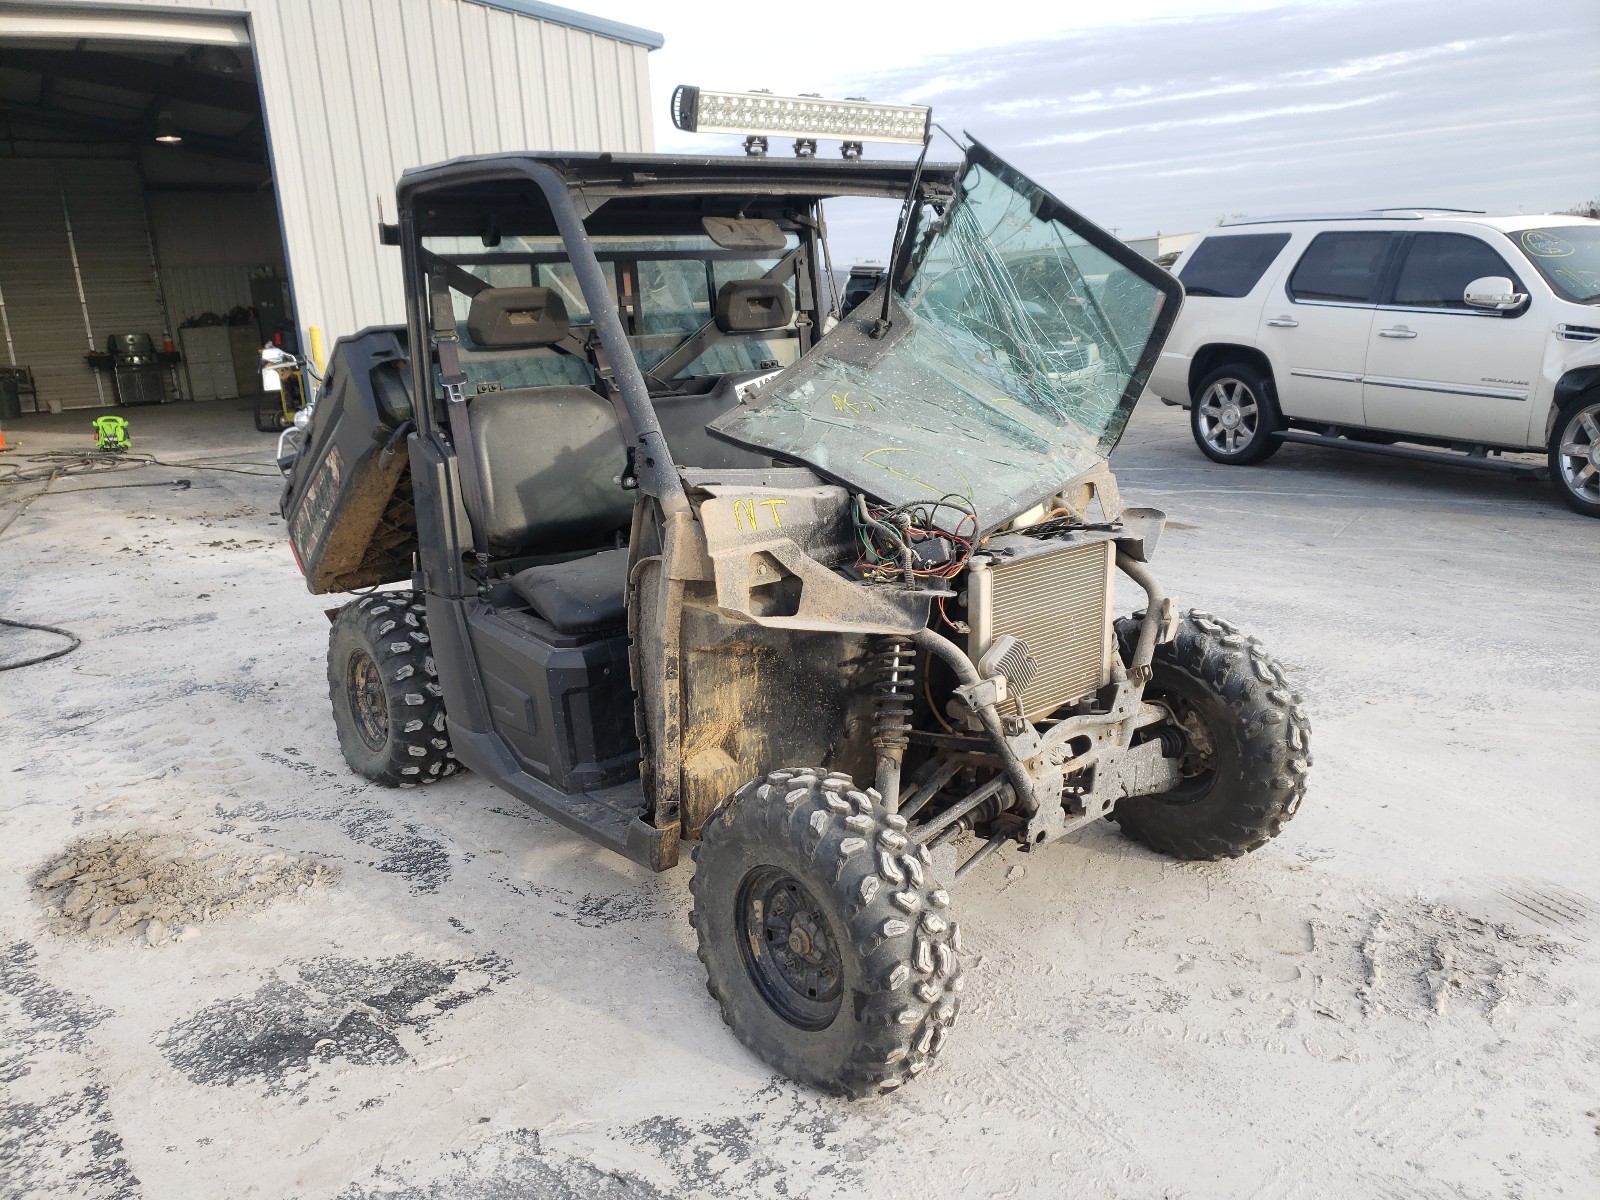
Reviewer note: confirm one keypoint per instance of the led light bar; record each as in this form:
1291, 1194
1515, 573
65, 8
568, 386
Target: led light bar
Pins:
761, 114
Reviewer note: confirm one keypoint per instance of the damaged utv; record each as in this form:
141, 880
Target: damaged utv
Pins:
687, 557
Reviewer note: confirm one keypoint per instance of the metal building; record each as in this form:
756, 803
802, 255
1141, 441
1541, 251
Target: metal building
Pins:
167, 166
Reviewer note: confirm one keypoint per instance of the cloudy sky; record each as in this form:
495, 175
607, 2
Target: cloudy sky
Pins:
1169, 114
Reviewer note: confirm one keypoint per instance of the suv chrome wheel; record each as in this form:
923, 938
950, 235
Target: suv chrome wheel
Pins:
1234, 415
1578, 454
1229, 416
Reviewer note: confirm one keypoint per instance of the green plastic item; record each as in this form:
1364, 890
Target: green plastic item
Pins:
111, 433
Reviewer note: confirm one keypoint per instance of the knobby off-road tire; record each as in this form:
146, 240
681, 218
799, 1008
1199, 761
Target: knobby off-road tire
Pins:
387, 704
1248, 394
805, 850
269, 413
1250, 780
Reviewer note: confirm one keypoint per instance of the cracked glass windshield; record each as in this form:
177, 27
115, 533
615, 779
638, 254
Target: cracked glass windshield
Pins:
1014, 356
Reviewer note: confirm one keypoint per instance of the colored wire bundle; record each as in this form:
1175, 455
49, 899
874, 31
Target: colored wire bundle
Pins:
906, 542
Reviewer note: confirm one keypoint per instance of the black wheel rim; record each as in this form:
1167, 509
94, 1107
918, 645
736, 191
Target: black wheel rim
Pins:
1193, 740
370, 707
789, 949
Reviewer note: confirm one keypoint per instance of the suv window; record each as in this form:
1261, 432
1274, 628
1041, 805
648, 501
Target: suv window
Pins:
1230, 265
1341, 266
1439, 266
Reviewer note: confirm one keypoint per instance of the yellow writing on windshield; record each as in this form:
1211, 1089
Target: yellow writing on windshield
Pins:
904, 462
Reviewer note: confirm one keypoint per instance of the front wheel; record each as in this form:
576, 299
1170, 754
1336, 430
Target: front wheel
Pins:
827, 942
1240, 736
1234, 414
1575, 455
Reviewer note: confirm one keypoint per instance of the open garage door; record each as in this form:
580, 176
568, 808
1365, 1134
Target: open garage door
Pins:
137, 209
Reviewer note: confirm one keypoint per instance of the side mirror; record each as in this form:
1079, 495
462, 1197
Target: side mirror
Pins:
1495, 293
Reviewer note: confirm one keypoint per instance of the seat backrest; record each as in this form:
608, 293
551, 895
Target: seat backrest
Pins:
549, 457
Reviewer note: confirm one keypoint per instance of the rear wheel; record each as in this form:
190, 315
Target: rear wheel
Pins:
1575, 455
827, 942
269, 412
387, 705
1240, 736
1234, 414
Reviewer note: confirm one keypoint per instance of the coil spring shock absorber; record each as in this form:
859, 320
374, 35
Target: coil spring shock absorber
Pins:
896, 663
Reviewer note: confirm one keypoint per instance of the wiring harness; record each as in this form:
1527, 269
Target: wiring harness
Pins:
906, 543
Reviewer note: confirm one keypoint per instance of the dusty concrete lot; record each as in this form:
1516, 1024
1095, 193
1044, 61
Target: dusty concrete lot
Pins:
1395, 998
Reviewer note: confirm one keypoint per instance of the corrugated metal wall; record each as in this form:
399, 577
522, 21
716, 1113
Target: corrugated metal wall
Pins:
191, 291
55, 210
43, 314
358, 90
112, 238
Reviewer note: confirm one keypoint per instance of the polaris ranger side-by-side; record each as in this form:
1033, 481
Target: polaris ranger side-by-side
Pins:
687, 557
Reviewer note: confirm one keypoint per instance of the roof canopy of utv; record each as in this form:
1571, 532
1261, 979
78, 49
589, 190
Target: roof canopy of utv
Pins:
455, 194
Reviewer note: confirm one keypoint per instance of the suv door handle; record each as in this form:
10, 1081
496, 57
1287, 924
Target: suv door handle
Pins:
1284, 323
1397, 331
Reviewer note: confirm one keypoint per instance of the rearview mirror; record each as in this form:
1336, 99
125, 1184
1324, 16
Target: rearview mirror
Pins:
755, 234
1495, 293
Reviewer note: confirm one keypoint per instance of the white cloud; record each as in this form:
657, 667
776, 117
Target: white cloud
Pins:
1356, 67
1226, 118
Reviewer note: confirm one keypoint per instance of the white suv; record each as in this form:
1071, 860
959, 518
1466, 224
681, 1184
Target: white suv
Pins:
1468, 334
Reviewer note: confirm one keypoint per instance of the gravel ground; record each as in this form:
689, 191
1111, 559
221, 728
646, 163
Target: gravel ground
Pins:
1395, 998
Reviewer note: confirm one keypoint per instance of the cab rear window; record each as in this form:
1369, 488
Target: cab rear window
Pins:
1230, 265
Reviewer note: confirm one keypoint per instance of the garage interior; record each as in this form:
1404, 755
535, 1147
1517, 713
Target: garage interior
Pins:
141, 248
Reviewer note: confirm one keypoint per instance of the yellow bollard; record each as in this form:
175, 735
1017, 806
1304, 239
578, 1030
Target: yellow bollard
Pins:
315, 332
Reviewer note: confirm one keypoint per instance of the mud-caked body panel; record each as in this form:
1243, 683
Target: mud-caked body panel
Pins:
348, 499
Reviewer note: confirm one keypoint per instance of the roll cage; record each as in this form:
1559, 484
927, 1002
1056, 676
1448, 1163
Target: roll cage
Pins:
570, 196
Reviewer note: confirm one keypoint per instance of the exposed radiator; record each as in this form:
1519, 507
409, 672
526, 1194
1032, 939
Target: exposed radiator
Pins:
1059, 603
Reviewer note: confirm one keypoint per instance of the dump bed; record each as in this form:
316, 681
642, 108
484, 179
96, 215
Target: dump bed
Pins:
348, 502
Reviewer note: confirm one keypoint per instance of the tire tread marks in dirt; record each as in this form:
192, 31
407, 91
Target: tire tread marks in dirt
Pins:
891, 916
1273, 737
1550, 906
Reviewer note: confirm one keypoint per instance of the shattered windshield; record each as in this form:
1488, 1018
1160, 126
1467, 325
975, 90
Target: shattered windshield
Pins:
1014, 355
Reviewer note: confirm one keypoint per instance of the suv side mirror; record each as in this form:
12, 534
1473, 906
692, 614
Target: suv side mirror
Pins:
1495, 293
